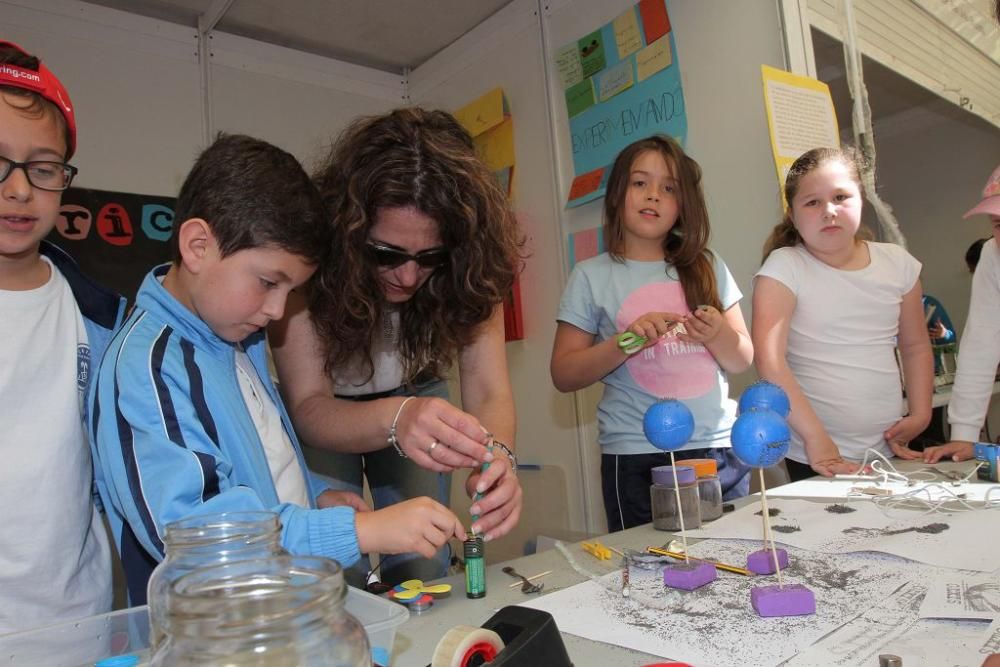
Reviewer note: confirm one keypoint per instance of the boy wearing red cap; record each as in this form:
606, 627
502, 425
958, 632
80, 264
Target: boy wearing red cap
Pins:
980, 345
55, 560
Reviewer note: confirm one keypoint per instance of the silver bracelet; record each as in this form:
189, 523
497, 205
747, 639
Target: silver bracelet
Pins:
509, 453
392, 440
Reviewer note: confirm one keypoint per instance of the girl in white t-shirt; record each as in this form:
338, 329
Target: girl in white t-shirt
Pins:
829, 308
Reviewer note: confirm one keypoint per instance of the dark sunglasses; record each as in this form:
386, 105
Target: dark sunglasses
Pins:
393, 258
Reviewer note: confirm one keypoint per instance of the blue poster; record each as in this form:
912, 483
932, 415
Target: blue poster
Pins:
635, 93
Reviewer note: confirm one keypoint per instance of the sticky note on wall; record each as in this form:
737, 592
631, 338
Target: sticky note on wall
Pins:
627, 35
653, 58
655, 21
579, 98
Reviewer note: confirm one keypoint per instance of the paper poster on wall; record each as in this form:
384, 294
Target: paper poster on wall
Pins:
800, 116
115, 237
584, 245
489, 122
621, 83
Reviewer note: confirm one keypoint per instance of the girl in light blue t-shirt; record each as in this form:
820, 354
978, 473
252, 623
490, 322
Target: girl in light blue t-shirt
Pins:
658, 280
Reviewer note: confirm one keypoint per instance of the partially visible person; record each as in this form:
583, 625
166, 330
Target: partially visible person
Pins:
939, 327
427, 247
974, 252
980, 345
187, 419
660, 281
830, 309
55, 561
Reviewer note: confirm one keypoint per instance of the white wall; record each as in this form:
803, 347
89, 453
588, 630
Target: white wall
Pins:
136, 84
932, 165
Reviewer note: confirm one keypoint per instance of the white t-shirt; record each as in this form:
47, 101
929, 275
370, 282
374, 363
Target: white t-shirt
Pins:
842, 339
388, 364
55, 562
286, 472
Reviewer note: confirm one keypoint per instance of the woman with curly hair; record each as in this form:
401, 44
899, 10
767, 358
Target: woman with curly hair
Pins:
425, 248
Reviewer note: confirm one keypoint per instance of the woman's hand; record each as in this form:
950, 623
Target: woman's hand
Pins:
440, 437
499, 508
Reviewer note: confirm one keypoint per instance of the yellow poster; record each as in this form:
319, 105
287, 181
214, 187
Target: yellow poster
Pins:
489, 122
800, 116
484, 113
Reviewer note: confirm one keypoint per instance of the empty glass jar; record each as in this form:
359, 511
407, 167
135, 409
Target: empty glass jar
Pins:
206, 540
286, 611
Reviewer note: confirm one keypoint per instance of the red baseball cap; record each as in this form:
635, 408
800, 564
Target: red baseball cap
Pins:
44, 83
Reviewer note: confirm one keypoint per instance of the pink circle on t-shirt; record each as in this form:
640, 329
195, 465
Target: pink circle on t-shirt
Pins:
671, 368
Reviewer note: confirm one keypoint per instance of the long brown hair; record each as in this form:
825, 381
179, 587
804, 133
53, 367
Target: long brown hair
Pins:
424, 159
784, 233
686, 246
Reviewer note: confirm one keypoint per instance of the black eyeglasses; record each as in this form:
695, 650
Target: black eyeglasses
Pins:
42, 174
393, 258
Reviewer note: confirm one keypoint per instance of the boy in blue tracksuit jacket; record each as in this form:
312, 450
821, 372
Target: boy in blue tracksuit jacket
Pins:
186, 419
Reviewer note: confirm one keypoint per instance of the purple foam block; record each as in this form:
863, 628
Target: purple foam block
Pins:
689, 576
762, 562
787, 600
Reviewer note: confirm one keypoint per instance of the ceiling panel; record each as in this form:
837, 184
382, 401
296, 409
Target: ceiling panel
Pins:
389, 35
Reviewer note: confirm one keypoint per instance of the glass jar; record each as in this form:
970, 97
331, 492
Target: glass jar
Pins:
709, 487
205, 540
286, 611
663, 498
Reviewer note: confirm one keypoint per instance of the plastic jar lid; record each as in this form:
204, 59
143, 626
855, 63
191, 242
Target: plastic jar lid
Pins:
664, 475
703, 467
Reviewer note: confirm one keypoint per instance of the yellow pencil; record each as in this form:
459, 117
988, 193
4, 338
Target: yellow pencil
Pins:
680, 556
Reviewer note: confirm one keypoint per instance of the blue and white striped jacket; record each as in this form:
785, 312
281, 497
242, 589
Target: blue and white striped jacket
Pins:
173, 437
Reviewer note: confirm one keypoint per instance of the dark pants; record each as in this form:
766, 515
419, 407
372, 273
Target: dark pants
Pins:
934, 434
626, 478
797, 471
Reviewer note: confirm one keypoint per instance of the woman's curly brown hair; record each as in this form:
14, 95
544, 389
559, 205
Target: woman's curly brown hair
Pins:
424, 159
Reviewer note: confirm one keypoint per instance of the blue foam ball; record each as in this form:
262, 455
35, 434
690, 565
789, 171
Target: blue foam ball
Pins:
668, 424
760, 437
764, 394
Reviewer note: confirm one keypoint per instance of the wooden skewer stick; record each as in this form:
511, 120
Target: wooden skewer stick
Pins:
768, 535
531, 578
680, 508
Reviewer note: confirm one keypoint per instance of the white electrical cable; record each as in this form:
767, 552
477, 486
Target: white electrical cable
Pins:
931, 497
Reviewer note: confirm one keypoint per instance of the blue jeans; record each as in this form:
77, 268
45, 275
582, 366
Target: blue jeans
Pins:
392, 479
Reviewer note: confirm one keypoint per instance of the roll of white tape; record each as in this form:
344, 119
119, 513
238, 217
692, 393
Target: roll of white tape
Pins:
463, 643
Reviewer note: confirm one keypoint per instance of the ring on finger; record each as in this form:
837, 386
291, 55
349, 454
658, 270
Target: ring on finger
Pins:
433, 445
